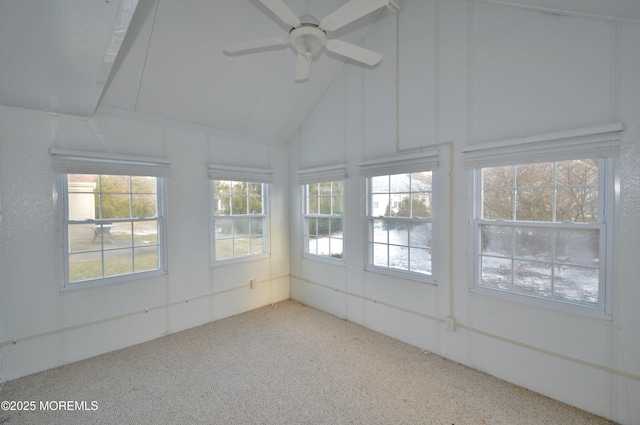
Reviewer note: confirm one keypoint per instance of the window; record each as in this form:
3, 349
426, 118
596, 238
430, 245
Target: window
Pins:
112, 226
324, 218
541, 230
111, 213
239, 219
399, 217
542, 218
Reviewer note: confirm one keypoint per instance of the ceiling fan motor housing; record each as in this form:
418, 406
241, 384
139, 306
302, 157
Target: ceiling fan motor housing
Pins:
307, 38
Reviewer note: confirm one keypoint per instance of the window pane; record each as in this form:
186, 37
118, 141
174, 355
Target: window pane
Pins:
400, 182
241, 227
338, 204
380, 255
380, 184
578, 247
421, 182
380, 205
497, 177
85, 266
224, 249
115, 206
255, 189
497, 204
312, 226
420, 260
400, 205
539, 174
336, 248
532, 278
255, 205
577, 284
257, 245
577, 172
534, 204
241, 246
224, 227
399, 257
380, 231
145, 233
222, 187
496, 240
142, 184
420, 235
144, 205
577, 204
83, 237
421, 205
239, 204
325, 205
312, 245
118, 261
532, 243
496, 272
257, 226
323, 227
312, 189
325, 189
146, 258
399, 234
115, 184
335, 227
312, 205
222, 205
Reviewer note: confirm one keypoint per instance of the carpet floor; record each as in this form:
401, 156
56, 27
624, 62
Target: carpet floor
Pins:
288, 364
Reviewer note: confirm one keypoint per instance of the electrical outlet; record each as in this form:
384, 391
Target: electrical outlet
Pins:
450, 323
252, 283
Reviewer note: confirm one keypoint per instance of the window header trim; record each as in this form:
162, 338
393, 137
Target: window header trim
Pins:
589, 142
82, 162
248, 174
322, 174
426, 160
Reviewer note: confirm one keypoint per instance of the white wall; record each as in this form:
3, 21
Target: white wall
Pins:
473, 72
53, 327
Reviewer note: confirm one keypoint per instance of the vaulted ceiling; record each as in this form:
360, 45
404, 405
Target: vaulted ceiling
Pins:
164, 58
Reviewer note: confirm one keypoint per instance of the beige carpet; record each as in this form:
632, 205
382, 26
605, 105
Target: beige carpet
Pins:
288, 364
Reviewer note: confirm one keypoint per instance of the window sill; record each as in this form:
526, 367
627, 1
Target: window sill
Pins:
112, 280
401, 274
543, 303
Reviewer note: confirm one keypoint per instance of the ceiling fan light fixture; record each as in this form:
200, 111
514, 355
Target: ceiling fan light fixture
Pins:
307, 39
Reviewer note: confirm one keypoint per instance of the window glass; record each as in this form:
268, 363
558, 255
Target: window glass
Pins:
239, 219
112, 226
540, 230
323, 219
399, 214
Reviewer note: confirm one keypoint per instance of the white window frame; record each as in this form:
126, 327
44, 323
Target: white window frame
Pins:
422, 161
601, 143
246, 175
66, 162
322, 175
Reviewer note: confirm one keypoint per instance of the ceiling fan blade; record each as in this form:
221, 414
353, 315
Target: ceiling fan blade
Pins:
354, 52
282, 11
255, 44
349, 12
303, 68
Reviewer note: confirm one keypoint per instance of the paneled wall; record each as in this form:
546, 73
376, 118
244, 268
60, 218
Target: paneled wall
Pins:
468, 73
44, 326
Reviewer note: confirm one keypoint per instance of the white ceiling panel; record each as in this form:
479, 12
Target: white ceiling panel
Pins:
56, 55
185, 75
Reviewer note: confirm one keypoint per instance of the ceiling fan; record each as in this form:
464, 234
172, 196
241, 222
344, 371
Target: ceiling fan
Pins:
308, 35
